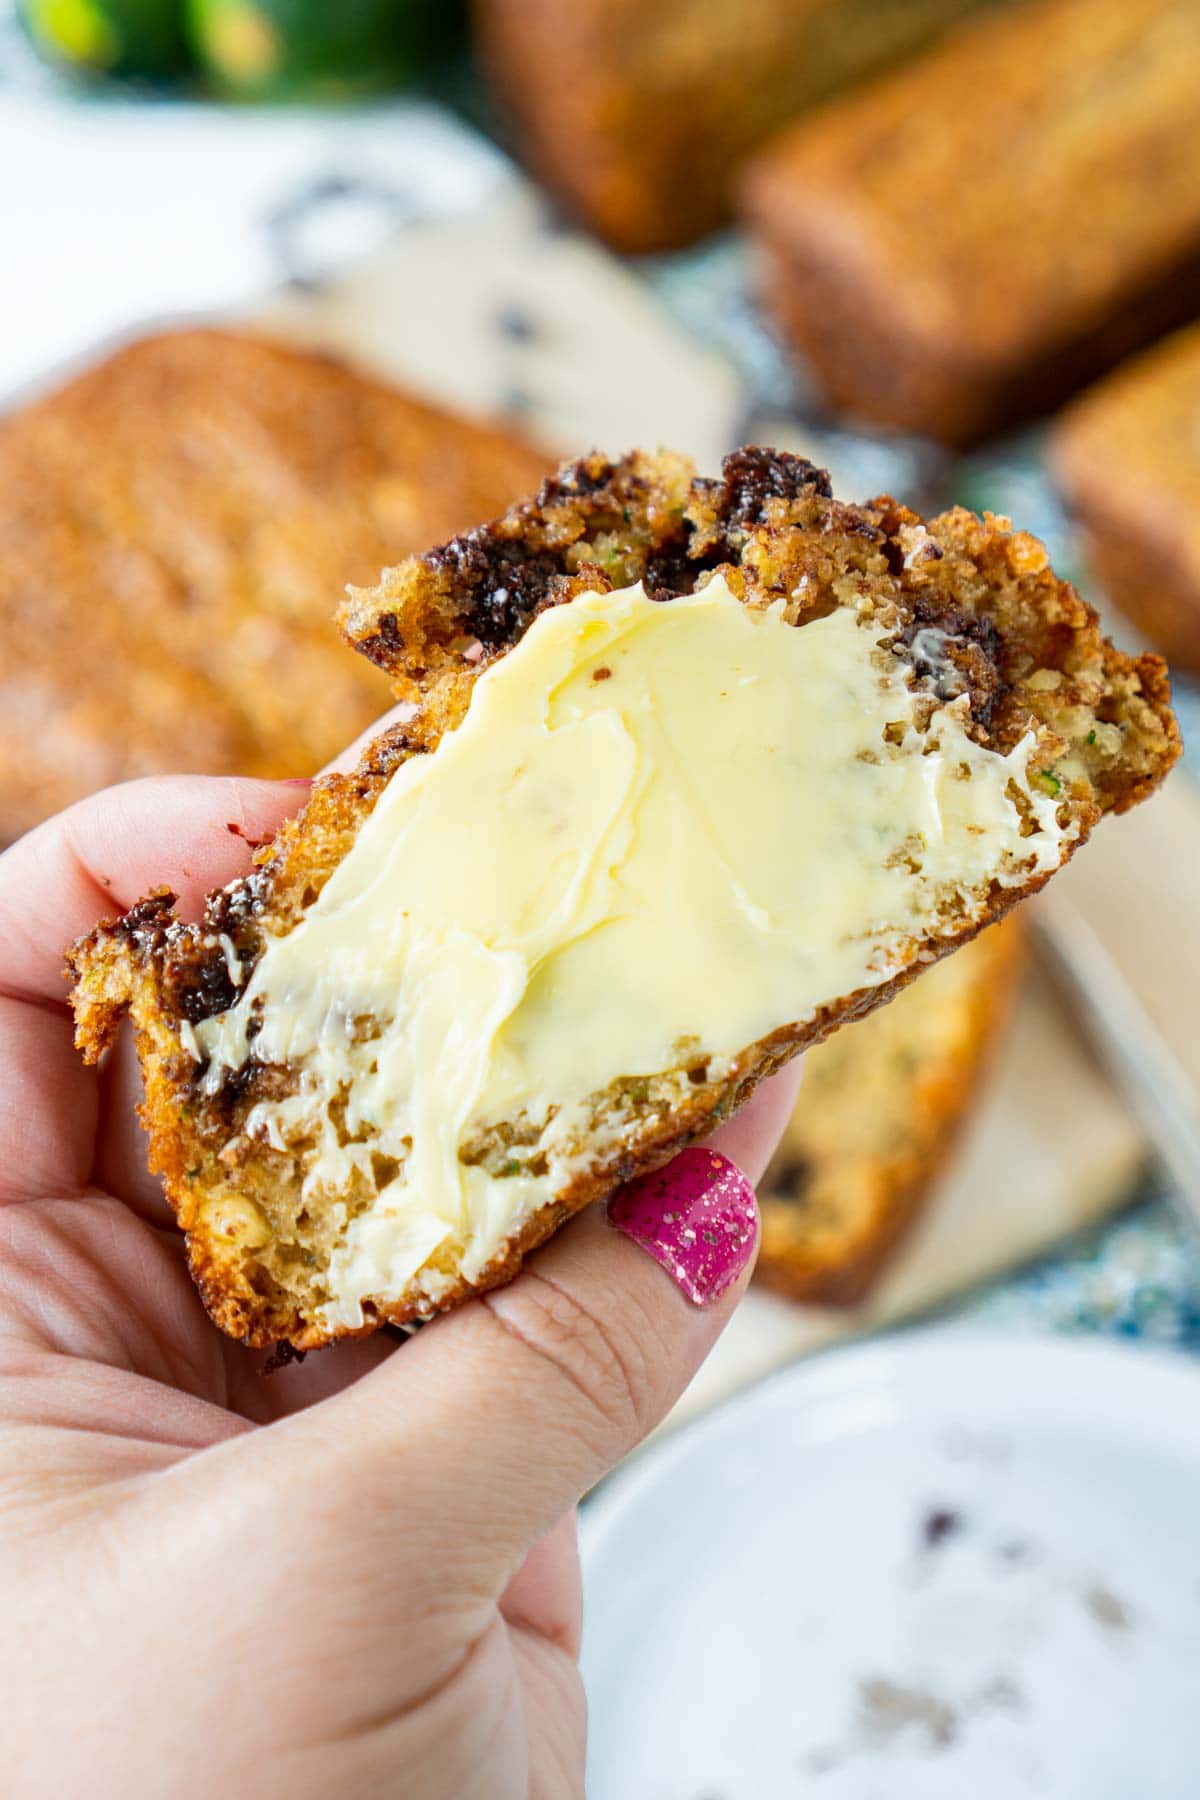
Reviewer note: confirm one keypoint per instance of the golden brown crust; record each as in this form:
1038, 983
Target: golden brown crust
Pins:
1024, 647
639, 116
968, 241
1127, 459
185, 516
772, 525
876, 1119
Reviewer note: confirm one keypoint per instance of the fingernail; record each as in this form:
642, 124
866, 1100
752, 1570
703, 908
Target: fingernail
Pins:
297, 781
697, 1218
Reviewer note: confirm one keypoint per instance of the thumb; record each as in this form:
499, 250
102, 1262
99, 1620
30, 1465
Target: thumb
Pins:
497, 1418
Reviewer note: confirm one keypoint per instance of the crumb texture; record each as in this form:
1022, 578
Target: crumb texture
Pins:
986, 635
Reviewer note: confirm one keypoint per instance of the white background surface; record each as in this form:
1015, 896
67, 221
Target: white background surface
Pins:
796, 1634
114, 213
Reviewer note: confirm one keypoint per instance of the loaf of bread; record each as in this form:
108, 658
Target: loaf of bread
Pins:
178, 525
1127, 458
964, 243
877, 1116
638, 116
693, 772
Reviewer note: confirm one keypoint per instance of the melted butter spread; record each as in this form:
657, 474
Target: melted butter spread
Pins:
663, 830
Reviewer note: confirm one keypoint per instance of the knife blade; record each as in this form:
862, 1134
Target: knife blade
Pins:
1141, 1064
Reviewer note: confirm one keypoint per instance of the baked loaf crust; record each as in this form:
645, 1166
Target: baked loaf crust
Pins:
1127, 458
638, 116
965, 243
877, 1116
1026, 659
184, 517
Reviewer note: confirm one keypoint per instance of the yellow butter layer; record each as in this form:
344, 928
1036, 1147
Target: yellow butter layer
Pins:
663, 830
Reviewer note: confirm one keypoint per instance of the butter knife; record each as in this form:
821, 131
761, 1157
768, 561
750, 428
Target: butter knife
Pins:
1142, 1066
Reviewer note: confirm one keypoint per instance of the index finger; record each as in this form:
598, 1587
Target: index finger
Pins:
504, 1412
188, 832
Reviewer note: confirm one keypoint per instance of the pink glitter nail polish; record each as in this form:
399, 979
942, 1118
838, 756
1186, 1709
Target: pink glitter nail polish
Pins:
697, 1218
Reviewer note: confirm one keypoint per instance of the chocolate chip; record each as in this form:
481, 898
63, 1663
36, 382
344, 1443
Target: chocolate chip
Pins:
752, 476
940, 1524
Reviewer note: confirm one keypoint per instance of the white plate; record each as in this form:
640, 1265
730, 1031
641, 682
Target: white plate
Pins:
944, 1565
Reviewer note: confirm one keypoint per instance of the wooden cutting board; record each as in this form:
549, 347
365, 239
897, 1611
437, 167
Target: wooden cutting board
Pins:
495, 312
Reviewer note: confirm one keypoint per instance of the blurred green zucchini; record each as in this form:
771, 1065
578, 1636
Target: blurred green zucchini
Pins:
318, 49
109, 37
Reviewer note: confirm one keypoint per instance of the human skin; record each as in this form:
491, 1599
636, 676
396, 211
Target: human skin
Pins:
358, 1575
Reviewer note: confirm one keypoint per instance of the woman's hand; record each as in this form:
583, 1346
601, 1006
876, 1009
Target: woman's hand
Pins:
358, 1575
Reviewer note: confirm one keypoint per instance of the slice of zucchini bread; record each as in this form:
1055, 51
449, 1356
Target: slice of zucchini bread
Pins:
692, 772
879, 1112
